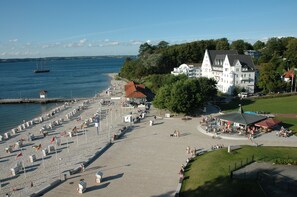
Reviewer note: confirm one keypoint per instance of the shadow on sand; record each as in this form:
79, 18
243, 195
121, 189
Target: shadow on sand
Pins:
96, 187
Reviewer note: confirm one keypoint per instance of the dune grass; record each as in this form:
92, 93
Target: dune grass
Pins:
208, 175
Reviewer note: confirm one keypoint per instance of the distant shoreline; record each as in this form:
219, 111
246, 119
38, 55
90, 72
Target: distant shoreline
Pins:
13, 60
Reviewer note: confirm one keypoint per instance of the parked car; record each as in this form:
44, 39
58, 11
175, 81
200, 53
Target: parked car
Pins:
243, 95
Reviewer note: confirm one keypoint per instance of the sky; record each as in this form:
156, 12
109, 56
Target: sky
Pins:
56, 28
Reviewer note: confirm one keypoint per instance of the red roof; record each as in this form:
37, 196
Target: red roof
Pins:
289, 74
134, 90
268, 123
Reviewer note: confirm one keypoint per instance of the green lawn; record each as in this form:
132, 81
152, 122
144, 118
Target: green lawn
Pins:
208, 175
279, 105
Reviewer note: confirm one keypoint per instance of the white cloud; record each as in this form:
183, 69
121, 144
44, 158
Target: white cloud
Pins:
135, 42
45, 46
14, 40
82, 42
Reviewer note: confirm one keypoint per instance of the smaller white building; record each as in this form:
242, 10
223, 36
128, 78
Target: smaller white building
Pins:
190, 70
42, 94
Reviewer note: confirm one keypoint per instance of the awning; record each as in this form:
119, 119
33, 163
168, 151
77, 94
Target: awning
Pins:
268, 123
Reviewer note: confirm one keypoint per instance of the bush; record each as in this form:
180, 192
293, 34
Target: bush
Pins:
285, 161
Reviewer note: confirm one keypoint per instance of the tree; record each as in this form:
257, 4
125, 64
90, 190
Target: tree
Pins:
240, 46
162, 44
185, 95
270, 79
145, 49
222, 44
291, 52
259, 45
163, 97
274, 47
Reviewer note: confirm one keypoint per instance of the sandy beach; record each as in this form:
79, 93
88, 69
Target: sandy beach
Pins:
69, 152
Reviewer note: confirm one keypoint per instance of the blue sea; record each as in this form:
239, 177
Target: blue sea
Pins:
73, 78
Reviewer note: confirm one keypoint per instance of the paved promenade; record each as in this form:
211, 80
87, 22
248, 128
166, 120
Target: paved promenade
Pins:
147, 160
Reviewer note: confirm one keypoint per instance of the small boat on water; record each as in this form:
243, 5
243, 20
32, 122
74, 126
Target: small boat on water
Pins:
41, 71
40, 68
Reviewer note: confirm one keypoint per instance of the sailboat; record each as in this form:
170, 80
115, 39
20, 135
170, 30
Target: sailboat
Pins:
40, 69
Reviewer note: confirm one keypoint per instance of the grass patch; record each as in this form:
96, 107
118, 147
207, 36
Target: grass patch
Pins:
208, 175
280, 105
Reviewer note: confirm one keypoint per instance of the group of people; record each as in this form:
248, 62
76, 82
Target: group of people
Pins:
191, 151
217, 146
176, 133
181, 173
284, 132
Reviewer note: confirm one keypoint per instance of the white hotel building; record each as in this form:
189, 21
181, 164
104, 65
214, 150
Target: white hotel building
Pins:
191, 70
229, 69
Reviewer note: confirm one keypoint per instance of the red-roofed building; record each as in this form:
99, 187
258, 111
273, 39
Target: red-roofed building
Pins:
135, 92
289, 75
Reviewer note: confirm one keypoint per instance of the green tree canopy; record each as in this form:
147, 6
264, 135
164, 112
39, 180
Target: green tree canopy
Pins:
259, 45
185, 95
291, 53
222, 44
162, 45
240, 46
145, 49
270, 79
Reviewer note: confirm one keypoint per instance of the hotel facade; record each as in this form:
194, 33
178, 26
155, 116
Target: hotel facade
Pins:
229, 69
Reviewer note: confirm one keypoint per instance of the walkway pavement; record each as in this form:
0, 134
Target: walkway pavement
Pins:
147, 160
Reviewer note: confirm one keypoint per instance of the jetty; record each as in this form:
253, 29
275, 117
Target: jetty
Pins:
38, 100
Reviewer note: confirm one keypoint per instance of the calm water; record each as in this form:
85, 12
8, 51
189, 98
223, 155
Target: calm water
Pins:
67, 79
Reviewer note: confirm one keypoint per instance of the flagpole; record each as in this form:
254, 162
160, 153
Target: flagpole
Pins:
100, 127
67, 145
24, 168
56, 150
42, 159
109, 126
76, 138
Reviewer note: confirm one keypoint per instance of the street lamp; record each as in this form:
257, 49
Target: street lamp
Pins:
97, 124
59, 167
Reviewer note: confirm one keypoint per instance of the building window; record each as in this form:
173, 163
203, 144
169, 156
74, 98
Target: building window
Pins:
237, 69
226, 69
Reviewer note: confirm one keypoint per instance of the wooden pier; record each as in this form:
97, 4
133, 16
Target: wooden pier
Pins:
38, 100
